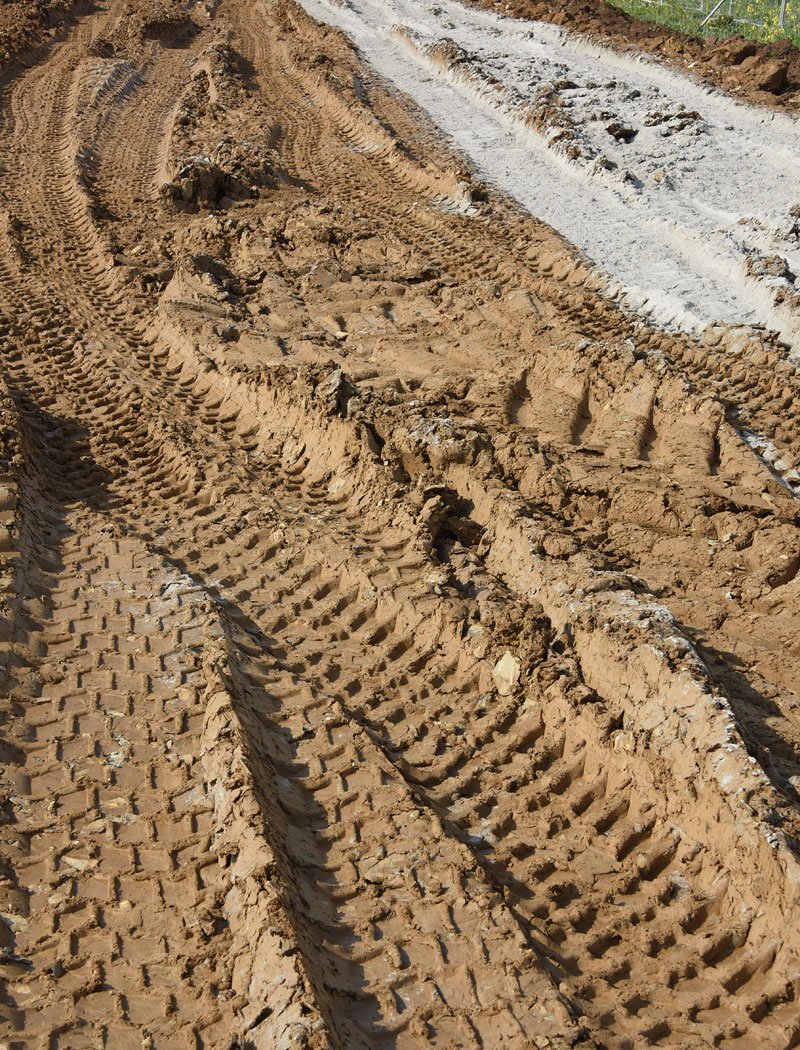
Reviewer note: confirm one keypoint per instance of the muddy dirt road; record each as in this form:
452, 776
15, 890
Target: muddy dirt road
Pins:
400, 639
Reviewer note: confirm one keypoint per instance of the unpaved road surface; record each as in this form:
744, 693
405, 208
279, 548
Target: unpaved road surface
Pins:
400, 639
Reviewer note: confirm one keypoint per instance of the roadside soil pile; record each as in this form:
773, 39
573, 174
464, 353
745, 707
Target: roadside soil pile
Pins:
765, 73
400, 639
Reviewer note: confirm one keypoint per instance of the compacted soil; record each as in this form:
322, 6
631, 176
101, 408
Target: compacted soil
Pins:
399, 627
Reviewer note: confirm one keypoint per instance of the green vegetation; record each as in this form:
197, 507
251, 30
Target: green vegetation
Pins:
764, 14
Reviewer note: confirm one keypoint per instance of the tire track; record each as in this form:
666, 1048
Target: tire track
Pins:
259, 608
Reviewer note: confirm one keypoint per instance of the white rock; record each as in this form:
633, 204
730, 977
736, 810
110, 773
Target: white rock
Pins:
506, 674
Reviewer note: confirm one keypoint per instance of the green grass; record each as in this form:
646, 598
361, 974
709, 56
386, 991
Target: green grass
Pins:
675, 15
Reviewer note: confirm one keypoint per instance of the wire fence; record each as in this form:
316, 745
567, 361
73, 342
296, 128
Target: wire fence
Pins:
772, 18
760, 15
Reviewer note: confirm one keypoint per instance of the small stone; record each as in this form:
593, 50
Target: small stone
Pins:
76, 863
661, 178
624, 740
506, 674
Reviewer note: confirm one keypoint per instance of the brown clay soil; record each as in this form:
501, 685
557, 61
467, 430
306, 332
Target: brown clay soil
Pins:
400, 644
25, 25
768, 74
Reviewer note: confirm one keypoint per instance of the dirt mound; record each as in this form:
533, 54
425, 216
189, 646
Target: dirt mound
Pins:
27, 25
399, 639
764, 73
233, 171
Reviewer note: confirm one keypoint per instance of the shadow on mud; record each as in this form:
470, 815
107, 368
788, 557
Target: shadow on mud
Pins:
754, 714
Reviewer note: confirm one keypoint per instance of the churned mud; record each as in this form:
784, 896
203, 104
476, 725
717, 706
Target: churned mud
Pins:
399, 628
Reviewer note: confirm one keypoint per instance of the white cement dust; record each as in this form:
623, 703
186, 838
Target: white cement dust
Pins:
670, 217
